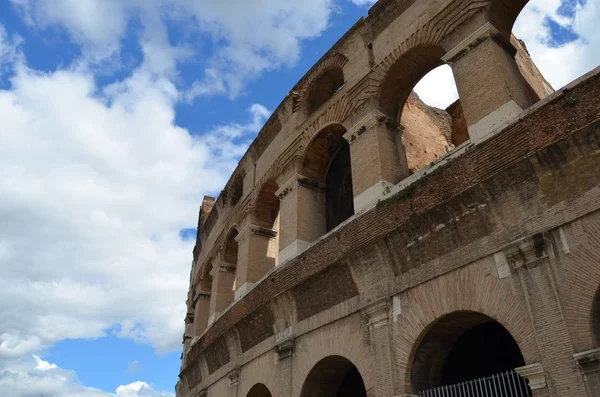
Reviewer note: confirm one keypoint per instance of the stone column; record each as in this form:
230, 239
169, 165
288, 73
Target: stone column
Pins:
221, 295
255, 256
531, 259
284, 350
378, 158
589, 365
234, 381
301, 215
201, 311
381, 347
492, 90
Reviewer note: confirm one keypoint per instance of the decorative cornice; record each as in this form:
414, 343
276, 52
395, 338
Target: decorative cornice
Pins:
222, 267
377, 312
527, 251
295, 181
372, 119
534, 373
485, 32
589, 361
249, 229
234, 377
285, 349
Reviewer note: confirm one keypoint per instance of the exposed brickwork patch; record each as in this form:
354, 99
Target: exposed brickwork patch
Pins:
216, 355
333, 286
256, 328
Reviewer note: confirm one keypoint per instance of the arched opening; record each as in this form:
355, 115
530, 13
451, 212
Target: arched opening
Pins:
259, 390
327, 161
266, 215
230, 250
334, 376
237, 190
324, 87
503, 14
463, 347
431, 115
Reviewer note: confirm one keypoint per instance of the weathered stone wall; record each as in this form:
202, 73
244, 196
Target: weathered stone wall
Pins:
502, 227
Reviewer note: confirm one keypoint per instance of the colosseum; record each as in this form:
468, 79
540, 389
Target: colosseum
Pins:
370, 245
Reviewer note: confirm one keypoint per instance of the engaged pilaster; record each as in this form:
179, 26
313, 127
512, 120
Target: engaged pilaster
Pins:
302, 215
589, 365
201, 311
530, 257
492, 90
223, 280
378, 314
378, 158
257, 255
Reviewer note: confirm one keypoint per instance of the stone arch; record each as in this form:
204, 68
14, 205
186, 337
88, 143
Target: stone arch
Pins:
263, 253
460, 347
259, 390
334, 376
230, 247
404, 74
236, 191
266, 207
347, 337
327, 161
329, 67
467, 289
580, 296
329, 83
503, 14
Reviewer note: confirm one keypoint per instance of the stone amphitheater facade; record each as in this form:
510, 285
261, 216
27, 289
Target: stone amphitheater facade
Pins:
370, 245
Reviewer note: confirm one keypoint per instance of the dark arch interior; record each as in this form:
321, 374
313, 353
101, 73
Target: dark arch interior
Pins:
259, 390
484, 350
324, 88
327, 161
503, 14
338, 191
334, 376
237, 190
596, 319
230, 254
267, 205
461, 347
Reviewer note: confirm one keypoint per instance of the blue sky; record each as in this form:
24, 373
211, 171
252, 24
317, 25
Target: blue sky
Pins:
116, 117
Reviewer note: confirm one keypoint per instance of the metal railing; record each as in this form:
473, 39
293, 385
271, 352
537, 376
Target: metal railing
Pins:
507, 384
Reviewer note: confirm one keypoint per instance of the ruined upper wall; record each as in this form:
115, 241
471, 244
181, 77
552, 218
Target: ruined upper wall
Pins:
366, 54
357, 97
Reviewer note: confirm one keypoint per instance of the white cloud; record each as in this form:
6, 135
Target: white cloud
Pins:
438, 88
96, 186
9, 50
565, 63
34, 377
249, 37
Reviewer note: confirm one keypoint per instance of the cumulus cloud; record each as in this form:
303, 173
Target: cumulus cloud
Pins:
96, 185
33, 377
561, 63
250, 37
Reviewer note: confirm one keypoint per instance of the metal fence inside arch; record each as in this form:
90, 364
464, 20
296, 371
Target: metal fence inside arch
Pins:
506, 384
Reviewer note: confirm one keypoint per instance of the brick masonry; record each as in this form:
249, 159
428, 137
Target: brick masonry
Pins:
461, 238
